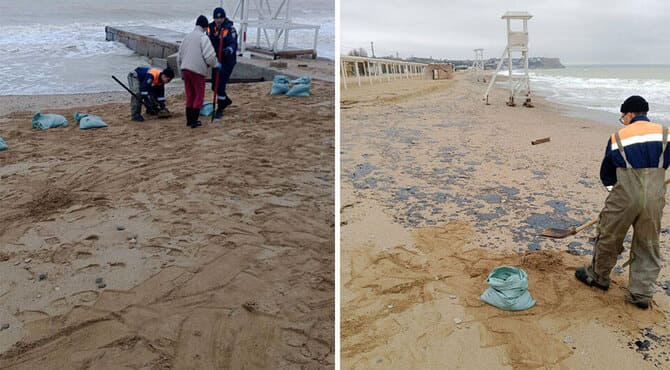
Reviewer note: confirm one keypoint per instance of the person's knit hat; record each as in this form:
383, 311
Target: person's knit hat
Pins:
635, 104
202, 22
219, 12
168, 72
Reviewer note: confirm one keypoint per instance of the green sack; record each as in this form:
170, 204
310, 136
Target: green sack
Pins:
300, 87
87, 121
508, 289
280, 85
304, 80
207, 109
47, 121
3, 145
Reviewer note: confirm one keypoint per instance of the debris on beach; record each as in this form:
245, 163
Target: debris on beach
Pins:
540, 141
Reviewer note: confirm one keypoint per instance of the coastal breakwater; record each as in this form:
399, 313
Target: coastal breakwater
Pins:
162, 45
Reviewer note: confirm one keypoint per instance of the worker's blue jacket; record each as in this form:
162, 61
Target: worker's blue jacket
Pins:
642, 143
229, 35
151, 83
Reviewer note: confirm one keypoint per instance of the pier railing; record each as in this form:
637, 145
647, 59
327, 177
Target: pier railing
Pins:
362, 70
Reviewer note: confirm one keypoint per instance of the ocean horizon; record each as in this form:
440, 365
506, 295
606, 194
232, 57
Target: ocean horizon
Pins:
601, 88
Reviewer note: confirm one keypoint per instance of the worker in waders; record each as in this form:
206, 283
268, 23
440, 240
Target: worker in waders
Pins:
224, 39
634, 169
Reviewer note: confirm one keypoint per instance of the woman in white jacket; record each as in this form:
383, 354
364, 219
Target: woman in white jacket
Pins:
195, 55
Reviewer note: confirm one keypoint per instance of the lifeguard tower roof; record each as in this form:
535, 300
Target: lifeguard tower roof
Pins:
516, 15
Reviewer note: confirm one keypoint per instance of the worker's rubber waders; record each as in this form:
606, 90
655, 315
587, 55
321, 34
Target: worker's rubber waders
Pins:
637, 199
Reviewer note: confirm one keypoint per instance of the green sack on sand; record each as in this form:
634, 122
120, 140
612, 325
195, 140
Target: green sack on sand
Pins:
304, 80
508, 289
3, 145
87, 121
280, 85
47, 121
207, 109
300, 87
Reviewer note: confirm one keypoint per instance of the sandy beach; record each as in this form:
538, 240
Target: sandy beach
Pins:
153, 245
437, 190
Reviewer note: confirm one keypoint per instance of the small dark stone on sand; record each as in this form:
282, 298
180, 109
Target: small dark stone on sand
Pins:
120, 227
102, 285
42, 277
642, 345
98, 280
4, 327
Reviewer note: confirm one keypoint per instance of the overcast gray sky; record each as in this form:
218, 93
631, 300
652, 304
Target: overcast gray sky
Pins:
579, 32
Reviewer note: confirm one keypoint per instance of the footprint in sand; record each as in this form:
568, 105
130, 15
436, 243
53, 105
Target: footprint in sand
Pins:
84, 296
116, 264
28, 316
92, 267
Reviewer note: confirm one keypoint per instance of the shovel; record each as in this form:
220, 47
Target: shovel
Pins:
562, 233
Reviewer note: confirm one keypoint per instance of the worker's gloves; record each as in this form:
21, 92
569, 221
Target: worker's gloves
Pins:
218, 66
147, 102
609, 188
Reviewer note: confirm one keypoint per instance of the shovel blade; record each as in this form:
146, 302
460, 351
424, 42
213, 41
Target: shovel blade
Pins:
558, 233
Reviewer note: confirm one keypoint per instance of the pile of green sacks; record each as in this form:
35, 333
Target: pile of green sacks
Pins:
282, 85
508, 289
86, 121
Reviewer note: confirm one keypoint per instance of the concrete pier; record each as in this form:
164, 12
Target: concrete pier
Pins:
162, 46
152, 42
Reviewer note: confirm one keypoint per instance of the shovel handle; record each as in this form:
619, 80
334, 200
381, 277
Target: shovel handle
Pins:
588, 224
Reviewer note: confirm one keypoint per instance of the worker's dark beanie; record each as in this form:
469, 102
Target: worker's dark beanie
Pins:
168, 72
202, 21
219, 12
634, 104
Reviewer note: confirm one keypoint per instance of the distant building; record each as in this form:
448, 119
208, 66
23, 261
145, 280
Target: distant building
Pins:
439, 71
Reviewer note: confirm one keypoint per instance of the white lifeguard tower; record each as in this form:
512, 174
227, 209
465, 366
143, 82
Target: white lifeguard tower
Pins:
272, 23
517, 42
478, 65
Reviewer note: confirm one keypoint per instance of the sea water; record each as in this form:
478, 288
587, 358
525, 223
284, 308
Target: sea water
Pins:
57, 47
602, 88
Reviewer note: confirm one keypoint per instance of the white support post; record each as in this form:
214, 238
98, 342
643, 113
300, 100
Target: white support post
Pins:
343, 71
358, 74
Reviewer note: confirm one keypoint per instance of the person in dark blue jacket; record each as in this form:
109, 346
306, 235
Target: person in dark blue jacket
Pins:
224, 39
149, 84
633, 170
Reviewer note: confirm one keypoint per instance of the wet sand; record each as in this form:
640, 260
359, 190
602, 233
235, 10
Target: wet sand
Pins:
153, 245
437, 190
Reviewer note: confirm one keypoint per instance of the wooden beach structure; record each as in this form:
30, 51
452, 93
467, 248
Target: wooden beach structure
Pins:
373, 70
477, 68
273, 24
517, 42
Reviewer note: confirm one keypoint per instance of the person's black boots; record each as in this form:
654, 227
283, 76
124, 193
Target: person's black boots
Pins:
218, 113
222, 104
195, 114
189, 120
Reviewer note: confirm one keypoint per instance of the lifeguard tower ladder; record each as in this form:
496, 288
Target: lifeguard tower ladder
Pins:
517, 41
478, 65
272, 23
